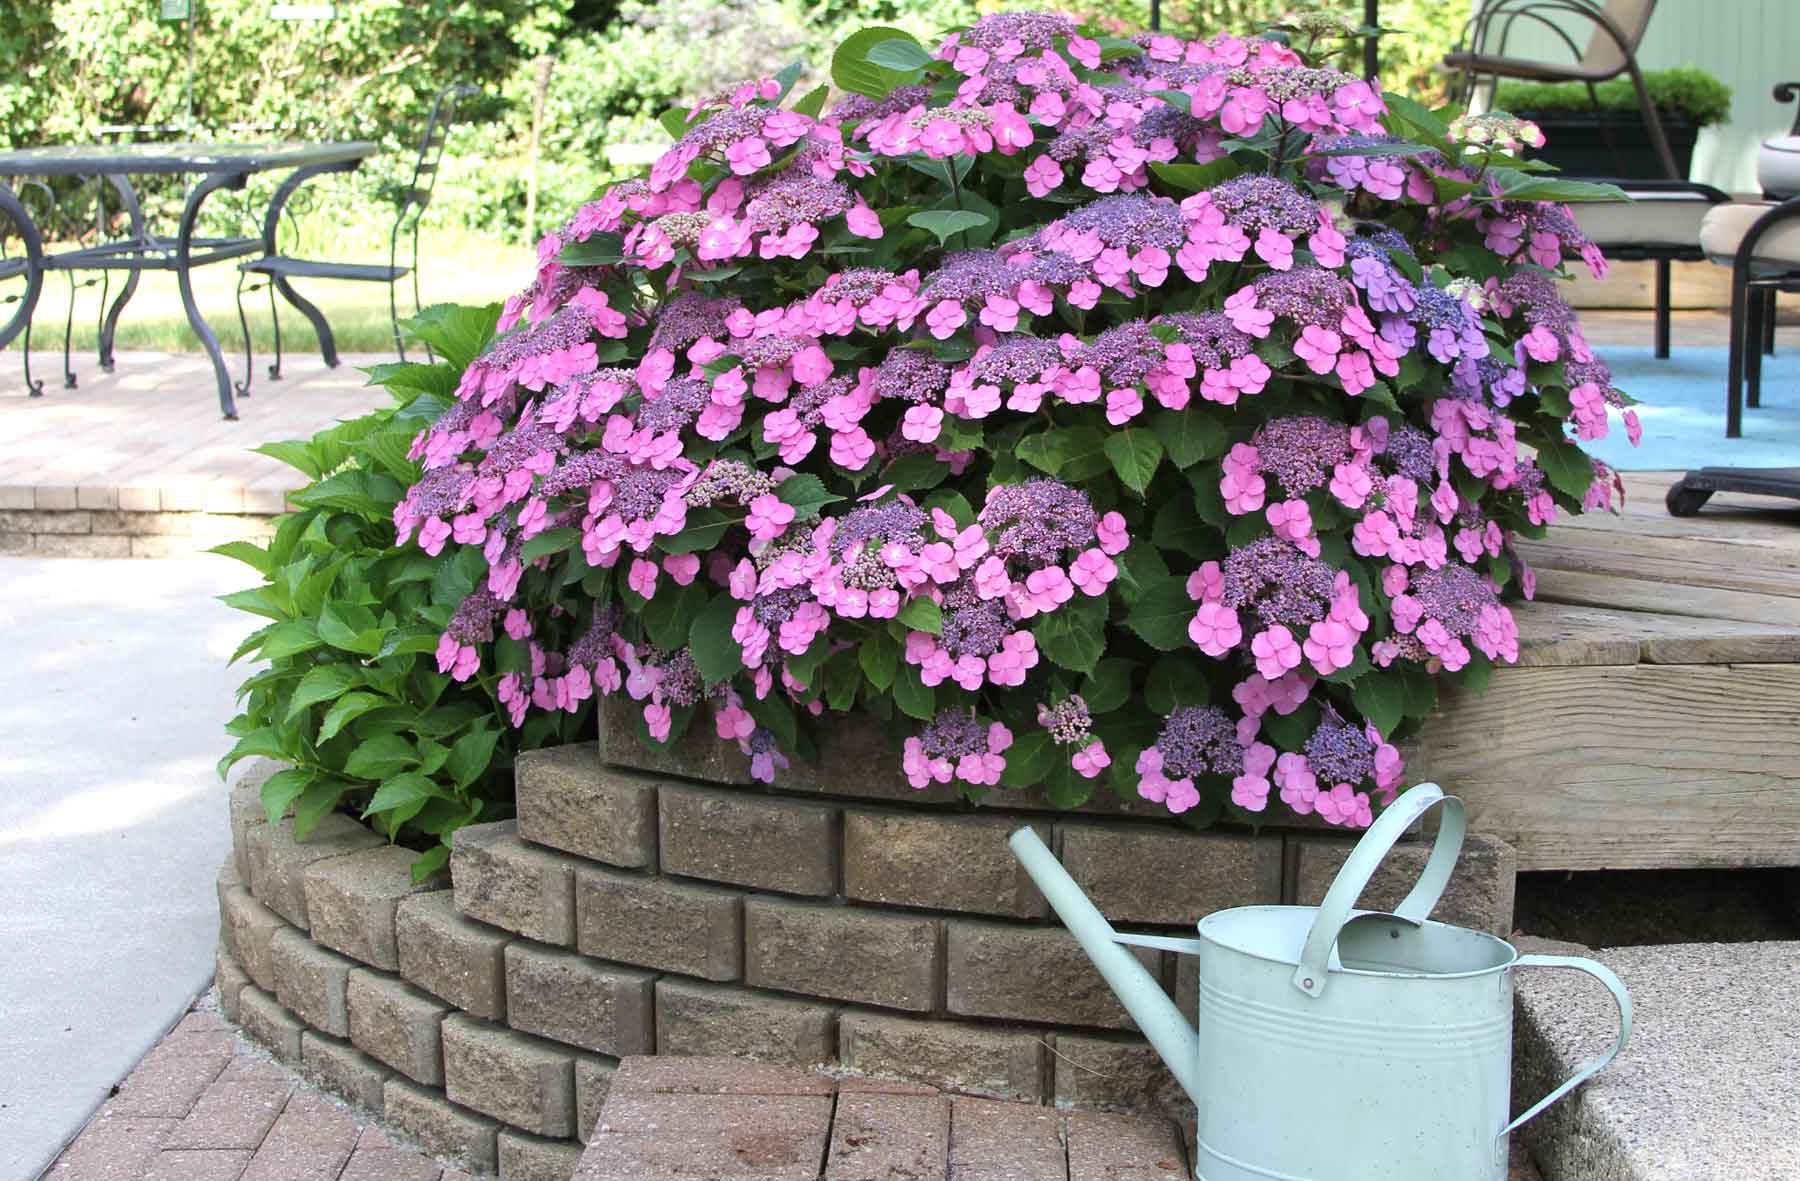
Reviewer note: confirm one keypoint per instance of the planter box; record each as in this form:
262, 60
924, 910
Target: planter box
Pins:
1577, 143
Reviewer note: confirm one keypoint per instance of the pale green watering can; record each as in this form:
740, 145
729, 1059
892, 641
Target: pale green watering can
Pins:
1337, 1044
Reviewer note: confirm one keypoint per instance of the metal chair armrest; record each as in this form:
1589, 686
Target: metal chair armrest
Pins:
1787, 92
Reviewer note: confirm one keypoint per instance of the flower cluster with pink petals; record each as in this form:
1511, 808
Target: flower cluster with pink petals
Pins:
1148, 414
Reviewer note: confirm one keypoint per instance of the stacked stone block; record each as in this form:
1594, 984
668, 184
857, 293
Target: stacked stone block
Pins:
628, 910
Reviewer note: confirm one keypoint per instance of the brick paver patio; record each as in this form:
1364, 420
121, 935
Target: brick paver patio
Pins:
205, 1105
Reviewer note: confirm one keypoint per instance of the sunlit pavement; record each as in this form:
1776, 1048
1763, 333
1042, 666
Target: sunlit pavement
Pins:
113, 692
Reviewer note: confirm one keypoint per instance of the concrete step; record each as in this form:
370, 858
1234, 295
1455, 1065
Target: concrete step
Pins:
1708, 1088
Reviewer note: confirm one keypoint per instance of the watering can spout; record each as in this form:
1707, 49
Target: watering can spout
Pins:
1169, 1032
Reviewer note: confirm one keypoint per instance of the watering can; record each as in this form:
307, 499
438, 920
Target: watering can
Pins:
1336, 1044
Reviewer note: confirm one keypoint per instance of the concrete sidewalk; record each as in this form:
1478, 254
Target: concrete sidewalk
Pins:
113, 692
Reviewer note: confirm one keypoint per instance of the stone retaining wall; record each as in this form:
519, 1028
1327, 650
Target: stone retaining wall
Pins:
844, 920
123, 533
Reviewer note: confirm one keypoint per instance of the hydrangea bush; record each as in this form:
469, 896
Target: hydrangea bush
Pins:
1152, 413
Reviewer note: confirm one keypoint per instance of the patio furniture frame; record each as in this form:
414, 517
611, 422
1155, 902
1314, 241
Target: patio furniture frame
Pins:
280, 270
1478, 61
219, 166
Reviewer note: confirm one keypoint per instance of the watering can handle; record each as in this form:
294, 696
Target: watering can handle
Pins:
1365, 859
1622, 998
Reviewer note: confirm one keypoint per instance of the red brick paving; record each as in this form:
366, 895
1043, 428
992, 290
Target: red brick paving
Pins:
205, 1106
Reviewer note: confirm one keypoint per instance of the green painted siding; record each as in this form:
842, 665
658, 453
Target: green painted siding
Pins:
1749, 44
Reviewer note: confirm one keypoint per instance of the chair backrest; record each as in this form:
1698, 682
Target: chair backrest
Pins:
1632, 18
444, 109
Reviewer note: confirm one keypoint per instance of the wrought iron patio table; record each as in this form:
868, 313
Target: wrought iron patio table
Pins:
216, 166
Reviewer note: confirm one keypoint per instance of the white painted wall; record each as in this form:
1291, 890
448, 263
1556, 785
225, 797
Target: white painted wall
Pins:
1749, 44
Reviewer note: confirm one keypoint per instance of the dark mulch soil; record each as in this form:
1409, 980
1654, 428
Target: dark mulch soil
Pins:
1629, 908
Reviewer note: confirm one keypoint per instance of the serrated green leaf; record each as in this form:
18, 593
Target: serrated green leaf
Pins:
1190, 435
401, 797
1135, 455
280, 790
316, 803
1175, 681
1381, 700
669, 617
716, 655
324, 683
843, 679
551, 541
1074, 635
347, 709
852, 70
806, 493
596, 250
945, 224
289, 639
247, 552
1161, 614
381, 756
1029, 760
1193, 178
705, 526
1567, 466
922, 615
295, 454
915, 698
1065, 788
879, 656
458, 334
1108, 687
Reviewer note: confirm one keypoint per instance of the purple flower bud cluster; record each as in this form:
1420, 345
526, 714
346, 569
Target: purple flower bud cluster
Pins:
1252, 202
1453, 595
856, 108
718, 132
473, 622
728, 481
953, 734
581, 470
1130, 222
1033, 30
1124, 354
1339, 752
681, 684
563, 330
527, 439
686, 318
1279, 583
1534, 296
1373, 270
860, 285
1284, 84
775, 607
793, 198
911, 375
1215, 341
973, 626
1410, 453
1595, 372
1068, 721
638, 490
1489, 376
1305, 295
1301, 451
1054, 269
1199, 740
442, 492
772, 351
1037, 521
873, 526
595, 644
1015, 359
970, 276
1078, 143
679, 404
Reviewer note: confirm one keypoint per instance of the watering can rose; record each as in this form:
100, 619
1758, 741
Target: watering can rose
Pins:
1148, 413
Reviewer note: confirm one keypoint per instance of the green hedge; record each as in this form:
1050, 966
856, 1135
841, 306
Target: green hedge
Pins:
1684, 90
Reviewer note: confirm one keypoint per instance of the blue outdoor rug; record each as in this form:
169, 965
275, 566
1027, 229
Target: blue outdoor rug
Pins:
1682, 405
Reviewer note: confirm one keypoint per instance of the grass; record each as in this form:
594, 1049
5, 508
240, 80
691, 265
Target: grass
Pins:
455, 267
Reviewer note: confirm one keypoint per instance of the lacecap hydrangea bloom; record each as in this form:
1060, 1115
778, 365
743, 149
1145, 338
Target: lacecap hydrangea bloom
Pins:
1157, 414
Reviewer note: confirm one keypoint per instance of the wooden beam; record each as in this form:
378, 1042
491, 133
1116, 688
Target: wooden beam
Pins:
1626, 767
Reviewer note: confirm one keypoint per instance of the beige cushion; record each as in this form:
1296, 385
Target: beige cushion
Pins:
1778, 166
1652, 219
1725, 226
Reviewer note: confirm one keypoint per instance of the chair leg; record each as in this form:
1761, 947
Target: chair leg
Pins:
243, 387
1663, 267
275, 318
1768, 337
1753, 350
100, 357
33, 389
68, 331
1734, 365
394, 316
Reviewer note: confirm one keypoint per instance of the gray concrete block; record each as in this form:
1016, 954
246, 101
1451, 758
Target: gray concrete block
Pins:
746, 839
955, 1055
230, 980
441, 1127
518, 887
397, 1024
525, 1157
713, 1020
267, 1022
657, 922
246, 927
581, 1002
593, 1080
453, 958
843, 952
351, 901
278, 862
343, 1069
568, 800
521, 1080
311, 981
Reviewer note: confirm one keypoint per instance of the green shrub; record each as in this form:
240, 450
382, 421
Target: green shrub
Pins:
1684, 90
350, 697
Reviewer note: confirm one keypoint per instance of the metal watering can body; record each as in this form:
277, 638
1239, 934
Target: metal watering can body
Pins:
1336, 1044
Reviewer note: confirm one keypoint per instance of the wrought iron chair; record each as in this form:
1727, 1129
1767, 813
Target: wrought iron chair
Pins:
1618, 30
277, 270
